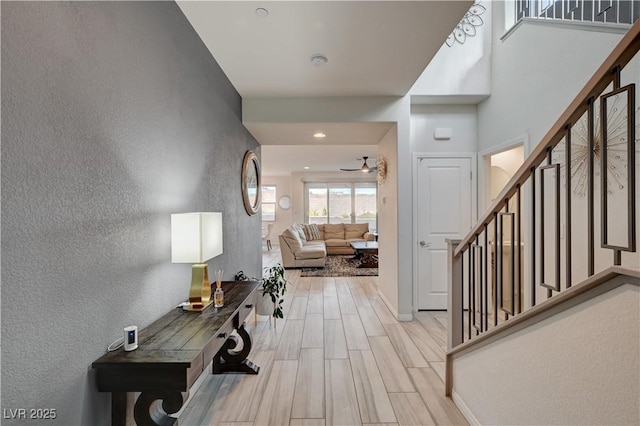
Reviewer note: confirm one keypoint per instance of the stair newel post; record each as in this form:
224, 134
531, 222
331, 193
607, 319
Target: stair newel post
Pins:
455, 308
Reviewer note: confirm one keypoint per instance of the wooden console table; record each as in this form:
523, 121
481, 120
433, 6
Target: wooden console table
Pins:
172, 353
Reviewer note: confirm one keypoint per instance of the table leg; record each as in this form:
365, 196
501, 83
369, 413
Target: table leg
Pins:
119, 408
146, 413
369, 260
228, 360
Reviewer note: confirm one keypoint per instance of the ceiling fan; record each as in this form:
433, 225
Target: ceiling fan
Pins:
365, 167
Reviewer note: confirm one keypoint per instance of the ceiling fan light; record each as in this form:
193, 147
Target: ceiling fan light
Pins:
365, 166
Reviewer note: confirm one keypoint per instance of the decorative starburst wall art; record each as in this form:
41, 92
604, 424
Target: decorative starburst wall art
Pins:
467, 26
617, 147
382, 169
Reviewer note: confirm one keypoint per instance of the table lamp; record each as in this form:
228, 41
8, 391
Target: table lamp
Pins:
196, 238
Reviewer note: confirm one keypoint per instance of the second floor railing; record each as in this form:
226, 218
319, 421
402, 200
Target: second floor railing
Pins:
569, 212
603, 11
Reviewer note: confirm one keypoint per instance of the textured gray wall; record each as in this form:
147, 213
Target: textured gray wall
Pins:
114, 116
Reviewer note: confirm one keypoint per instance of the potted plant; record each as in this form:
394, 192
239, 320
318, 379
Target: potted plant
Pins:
273, 287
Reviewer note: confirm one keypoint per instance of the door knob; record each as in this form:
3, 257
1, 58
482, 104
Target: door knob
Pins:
424, 244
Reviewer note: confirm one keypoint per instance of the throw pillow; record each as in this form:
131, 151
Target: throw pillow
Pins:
312, 232
307, 232
355, 230
299, 227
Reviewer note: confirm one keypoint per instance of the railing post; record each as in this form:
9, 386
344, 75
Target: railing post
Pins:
454, 296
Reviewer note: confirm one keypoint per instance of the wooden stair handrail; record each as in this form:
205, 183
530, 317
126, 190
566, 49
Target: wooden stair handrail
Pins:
619, 57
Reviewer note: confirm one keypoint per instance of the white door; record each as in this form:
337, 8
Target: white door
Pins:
444, 203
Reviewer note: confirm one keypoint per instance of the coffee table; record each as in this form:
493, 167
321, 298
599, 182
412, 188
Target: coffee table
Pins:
367, 252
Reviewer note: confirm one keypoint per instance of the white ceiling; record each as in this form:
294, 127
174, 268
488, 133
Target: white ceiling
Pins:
319, 158
374, 48
288, 148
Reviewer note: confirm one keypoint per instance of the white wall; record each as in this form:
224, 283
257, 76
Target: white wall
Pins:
460, 69
388, 220
556, 62
284, 218
460, 118
580, 366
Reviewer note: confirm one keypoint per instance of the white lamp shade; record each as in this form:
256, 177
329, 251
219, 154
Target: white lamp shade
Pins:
195, 237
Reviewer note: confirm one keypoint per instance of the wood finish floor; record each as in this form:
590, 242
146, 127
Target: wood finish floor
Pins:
338, 357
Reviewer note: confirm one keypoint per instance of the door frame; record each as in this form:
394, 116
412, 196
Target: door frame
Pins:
415, 163
522, 140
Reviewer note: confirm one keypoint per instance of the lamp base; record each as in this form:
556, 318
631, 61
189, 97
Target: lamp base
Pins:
200, 290
194, 307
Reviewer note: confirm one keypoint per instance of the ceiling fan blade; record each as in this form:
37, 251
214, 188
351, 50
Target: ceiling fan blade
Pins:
365, 167
371, 170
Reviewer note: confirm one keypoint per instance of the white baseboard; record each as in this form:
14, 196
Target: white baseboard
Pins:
399, 317
404, 317
464, 409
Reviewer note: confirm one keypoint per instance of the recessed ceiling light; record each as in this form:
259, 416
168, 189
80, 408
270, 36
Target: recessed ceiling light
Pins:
306, 167
261, 12
319, 60
319, 135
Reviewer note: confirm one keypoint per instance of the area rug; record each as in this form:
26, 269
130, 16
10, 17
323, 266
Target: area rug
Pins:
339, 266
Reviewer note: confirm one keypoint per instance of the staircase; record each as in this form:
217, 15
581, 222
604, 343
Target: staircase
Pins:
544, 291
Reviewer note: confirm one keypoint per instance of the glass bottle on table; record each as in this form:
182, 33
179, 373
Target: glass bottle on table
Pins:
218, 294
218, 297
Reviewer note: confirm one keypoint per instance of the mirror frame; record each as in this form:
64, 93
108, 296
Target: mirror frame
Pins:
250, 164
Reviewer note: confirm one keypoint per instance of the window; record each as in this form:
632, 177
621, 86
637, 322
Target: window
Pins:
268, 195
340, 203
365, 204
344, 202
316, 202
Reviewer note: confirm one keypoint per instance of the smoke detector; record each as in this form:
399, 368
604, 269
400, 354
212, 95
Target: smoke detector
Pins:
261, 12
318, 60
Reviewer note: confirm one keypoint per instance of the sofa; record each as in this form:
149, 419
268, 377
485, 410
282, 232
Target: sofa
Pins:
308, 245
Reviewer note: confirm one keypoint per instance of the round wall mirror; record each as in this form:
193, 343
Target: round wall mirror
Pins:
251, 183
284, 202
